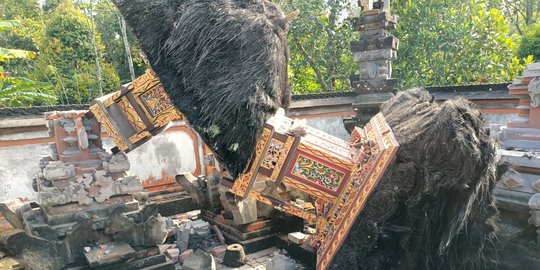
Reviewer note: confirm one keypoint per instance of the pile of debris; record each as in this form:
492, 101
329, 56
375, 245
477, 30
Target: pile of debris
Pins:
193, 234
86, 215
200, 245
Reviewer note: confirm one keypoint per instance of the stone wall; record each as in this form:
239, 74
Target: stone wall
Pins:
23, 138
18, 167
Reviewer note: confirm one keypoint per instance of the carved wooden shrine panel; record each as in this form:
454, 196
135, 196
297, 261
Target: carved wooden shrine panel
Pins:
338, 175
137, 112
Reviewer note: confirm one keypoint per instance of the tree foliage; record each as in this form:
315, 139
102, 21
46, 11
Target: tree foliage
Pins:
19, 91
69, 60
521, 14
108, 21
443, 43
320, 55
530, 43
62, 34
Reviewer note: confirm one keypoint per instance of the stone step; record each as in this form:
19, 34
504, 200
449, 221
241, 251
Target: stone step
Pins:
531, 73
520, 119
519, 91
521, 144
521, 158
141, 263
520, 136
522, 182
520, 254
519, 124
532, 134
109, 255
524, 107
513, 201
533, 66
518, 86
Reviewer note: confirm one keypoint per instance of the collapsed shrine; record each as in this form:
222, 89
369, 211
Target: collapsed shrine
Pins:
413, 188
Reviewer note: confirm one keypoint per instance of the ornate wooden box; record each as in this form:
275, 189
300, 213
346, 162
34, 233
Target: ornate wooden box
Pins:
140, 110
317, 163
337, 175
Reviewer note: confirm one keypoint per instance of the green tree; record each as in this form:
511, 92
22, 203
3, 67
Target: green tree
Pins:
50, 5
68, 56
530, 43
19, 8
520, 13
63, 36
26, 12
443, 43
320, 55
19, 91
108, 22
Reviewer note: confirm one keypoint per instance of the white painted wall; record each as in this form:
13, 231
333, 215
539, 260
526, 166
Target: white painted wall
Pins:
18, 166
169, 152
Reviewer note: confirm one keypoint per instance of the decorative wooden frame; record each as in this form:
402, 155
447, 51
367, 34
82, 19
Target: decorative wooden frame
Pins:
135, 113
276, 159
333, 229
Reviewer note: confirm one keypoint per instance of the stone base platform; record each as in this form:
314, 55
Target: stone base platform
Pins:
145, 259
254, 237
520, 139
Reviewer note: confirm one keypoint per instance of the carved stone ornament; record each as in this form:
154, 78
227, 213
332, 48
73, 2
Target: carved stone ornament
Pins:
534, 92
366, 4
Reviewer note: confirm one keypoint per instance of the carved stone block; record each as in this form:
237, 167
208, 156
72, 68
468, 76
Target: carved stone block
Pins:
53, 196
536, 185
365, 44
105, 186
148, 229
366, 86
195, 187
375, 70
375, 33
365, 4
128, 185
11, 210
531, 73
199, 260
373, 18
245, 212
512, 180
375, 25
182, 236
382, 54
117, 163
200, 228
534, 203
57, 170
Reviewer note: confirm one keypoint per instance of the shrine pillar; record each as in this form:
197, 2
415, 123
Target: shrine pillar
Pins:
374, 53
